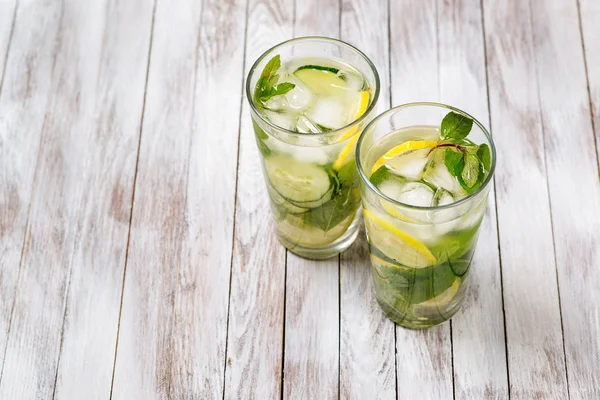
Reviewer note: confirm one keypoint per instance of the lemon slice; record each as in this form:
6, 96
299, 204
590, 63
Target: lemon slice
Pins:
394, 212
346, 152
402, 148
444, 298
396, 244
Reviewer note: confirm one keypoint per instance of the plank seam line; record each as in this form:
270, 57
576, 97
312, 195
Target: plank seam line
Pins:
282, 388
452, 362
283, 331
33, 191
10, 38
135, 175
549, 197
235, 195
8, 45
487, 88
389, 62
587, 81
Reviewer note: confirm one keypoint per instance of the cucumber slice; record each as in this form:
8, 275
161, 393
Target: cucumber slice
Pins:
282, 202
316, 203
322, 82
298, 182
318, 67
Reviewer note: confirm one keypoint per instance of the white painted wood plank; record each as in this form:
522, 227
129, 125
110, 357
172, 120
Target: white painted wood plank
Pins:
70, 212
533, 322
188, 160
95, 289
589, 11
7, 17
312, 287
311, 329
23, 98
574, 186
255, 334
424, 358
367, 347
145, 350
202, 293
479, 353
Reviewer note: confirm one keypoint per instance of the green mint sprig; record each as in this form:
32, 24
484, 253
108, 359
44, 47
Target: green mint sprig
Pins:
468, 162
267, 85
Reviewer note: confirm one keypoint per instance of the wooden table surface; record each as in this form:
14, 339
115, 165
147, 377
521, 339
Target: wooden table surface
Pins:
138, 259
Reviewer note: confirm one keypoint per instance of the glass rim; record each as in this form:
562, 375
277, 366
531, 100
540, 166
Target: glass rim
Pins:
333, 132
371, 186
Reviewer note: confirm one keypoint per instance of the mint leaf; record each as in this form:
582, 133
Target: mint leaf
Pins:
454, 161
266, 86
282, 88
271, 68
484, 155
470, 172
345, 201
455, 126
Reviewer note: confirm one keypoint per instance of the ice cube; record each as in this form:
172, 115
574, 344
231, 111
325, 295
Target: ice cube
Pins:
411, 164
300, 97
391, 188
437, 174
354, 81
282, 120
317, 155
305, 125
276, 103
442, 197
441, 217
416, 194
328, 111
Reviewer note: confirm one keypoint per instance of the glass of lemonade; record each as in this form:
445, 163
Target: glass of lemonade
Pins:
309, 100
425, 172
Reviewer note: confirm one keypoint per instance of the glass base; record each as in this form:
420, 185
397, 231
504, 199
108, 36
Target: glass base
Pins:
329, 250
424, 320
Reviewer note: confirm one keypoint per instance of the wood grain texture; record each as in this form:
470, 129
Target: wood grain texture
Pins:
202, 292
424, 358
311, 363
574, 186
23, 97
7, 18
98, 260
478, 344
367, 337
533, 321
84, 154
147, 364
256, 311
589, 15
15, 179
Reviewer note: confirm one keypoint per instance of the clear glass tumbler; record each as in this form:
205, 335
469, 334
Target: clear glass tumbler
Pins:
311, 177
420, 255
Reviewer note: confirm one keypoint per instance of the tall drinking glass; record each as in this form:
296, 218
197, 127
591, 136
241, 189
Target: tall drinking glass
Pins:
309, 100
424, 189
